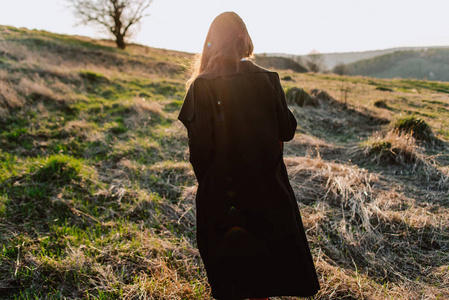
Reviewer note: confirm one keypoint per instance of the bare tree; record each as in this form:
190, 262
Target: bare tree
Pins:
116, 16
314, 61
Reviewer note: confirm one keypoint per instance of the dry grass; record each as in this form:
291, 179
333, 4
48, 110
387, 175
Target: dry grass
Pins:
78, 128
9, 98
353, 220
335, 185
400, 148
142, 111
394, 147
36, 89
13, 51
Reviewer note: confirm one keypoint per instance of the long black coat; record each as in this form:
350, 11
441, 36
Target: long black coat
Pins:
249, 229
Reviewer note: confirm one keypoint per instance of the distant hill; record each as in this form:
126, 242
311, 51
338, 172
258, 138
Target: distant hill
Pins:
332, 59
430, 64
279, 63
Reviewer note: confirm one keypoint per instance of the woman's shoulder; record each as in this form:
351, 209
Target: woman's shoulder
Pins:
200, 82
255, 69
252, 67
244, 67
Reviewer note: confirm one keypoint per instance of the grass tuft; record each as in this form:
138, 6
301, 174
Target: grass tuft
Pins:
381, 103
400, 148
299, 97
383, 89
60, 170
419, 129
395, 147
322, 95
287, 78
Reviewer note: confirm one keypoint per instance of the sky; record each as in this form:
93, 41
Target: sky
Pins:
276, 26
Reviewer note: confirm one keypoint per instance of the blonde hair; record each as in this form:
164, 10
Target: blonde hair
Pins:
227, 41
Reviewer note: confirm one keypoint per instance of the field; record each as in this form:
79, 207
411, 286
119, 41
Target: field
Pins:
97, 195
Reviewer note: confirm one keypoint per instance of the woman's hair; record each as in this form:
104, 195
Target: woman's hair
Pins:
227, 41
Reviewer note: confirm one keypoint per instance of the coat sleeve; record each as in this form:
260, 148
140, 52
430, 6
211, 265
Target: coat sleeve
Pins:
196, 115
285, 119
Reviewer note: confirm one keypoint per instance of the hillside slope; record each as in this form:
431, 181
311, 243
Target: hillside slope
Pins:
97, 194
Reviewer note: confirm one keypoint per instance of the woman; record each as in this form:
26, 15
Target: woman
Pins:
249, 230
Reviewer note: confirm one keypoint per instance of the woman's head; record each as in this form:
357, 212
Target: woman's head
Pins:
227, 41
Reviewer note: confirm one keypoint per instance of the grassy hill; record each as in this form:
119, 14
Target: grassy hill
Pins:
97, 195
330, 60
431, 64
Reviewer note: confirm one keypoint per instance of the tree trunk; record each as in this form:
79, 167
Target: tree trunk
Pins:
120, 41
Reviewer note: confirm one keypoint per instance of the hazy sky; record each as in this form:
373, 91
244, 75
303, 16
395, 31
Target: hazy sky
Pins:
288, 26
